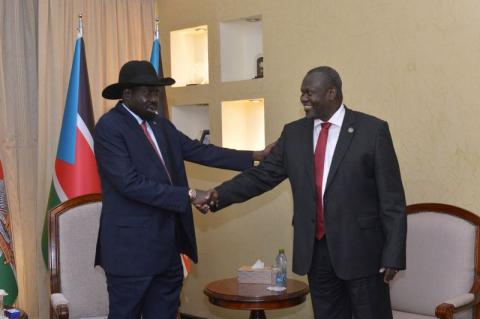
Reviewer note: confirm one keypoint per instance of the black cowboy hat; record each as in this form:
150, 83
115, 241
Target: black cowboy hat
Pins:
132, 74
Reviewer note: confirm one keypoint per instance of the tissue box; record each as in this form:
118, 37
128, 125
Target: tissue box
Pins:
247, 275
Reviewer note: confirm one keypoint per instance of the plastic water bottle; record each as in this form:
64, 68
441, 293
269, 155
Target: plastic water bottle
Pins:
281, 264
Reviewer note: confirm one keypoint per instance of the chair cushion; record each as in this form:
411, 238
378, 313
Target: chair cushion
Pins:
440, 263
83, 285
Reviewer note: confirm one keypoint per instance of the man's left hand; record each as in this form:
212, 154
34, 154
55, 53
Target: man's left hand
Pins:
389, 274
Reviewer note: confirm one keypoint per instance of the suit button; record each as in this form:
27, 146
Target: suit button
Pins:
313, 220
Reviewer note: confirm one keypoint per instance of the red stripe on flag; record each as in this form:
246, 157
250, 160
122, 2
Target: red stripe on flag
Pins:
82, 177
186, 264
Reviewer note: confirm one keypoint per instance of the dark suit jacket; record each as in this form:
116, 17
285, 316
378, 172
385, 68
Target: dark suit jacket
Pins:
364, 201
144, 219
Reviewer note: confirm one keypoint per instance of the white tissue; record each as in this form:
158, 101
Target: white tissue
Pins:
258, 264
275, 288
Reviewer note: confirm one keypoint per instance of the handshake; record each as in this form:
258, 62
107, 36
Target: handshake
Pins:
204, 201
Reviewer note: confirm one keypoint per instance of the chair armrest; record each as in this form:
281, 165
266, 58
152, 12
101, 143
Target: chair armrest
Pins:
59, 305
446, 309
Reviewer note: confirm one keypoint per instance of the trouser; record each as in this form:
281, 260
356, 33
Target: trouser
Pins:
146, 297
334, 298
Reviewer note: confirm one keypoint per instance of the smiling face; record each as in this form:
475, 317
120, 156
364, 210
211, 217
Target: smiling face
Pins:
142, 100
321, 93
319, 97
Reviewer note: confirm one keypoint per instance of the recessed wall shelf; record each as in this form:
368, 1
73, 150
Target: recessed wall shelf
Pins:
243, 124
192, 120
241, 49
189, 56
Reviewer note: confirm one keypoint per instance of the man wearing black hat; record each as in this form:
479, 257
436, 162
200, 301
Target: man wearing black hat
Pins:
146, 218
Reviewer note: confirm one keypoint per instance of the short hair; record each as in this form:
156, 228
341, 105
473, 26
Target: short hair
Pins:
332, 77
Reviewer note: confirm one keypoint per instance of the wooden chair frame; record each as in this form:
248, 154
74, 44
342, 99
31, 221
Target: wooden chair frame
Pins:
61, 312
446, 310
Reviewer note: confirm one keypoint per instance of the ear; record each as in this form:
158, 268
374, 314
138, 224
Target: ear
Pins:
126, 94
332, 94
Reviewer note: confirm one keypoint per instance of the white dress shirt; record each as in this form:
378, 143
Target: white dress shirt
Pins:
333, 133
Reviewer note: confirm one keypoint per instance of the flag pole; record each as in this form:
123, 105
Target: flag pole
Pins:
80, 26
157, 28
156, 60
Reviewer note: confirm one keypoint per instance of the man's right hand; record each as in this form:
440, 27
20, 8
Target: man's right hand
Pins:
206, 201
200, 200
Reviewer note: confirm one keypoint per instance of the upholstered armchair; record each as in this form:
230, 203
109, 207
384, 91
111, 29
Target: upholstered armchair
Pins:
442, 276
78, 289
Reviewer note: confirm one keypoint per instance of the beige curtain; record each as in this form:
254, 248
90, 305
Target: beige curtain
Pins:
18, 135
37, 40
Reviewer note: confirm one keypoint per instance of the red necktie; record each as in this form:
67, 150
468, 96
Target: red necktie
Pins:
319, 163
149, 138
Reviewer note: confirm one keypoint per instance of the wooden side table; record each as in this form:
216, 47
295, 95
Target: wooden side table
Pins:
228, 293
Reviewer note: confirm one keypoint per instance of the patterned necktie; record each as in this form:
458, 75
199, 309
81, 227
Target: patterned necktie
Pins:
319, 158
149, 138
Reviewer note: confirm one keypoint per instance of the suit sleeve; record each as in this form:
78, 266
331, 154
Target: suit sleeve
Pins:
392, 201
256, 180
214, 156
115, 165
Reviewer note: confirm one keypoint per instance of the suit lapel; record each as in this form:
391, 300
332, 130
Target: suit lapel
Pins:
137, 134
346, 134
306, 134
160, 136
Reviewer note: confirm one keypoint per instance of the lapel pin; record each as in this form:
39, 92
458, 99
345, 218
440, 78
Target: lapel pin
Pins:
350, 130
154, 123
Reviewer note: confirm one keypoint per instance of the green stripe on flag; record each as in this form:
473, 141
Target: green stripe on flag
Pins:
53, 201
8, 282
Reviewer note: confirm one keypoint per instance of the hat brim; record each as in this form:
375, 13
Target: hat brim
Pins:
114, 91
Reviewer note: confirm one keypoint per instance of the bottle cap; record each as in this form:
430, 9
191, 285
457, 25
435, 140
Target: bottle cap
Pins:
12, 313
281, 251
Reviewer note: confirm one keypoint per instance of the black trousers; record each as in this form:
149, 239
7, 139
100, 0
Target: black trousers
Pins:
334, 298
146, 297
